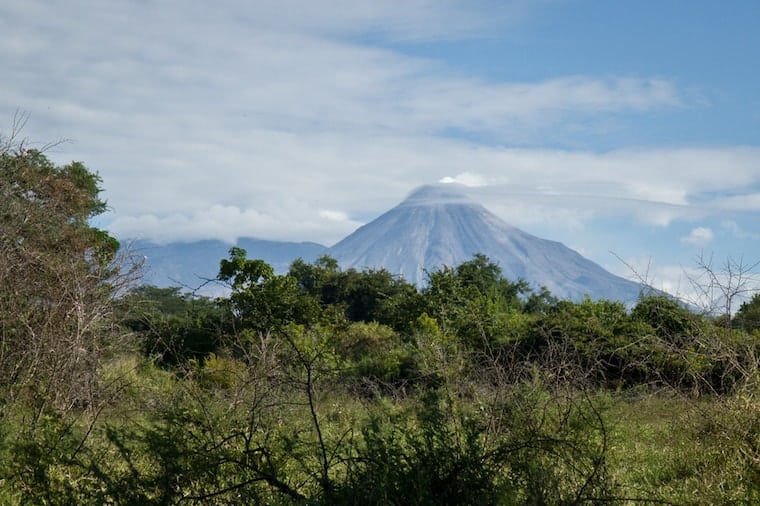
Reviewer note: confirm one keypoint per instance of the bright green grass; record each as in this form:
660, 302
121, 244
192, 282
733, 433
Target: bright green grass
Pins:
685, 451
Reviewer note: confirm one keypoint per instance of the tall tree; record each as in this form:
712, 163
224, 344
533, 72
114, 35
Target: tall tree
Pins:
56, 277
473, 299
261, 300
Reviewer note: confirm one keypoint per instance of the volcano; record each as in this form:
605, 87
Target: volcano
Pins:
438, 225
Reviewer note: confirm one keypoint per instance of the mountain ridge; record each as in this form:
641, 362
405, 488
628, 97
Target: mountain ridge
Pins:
434, 226
190, 264
439, 225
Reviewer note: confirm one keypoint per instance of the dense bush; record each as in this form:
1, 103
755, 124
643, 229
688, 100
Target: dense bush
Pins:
173, 326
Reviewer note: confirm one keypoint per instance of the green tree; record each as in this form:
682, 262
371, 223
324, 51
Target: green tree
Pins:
748, 316
670, 319
261, 300
370, 295
473, 300
56, 277
592, 340
486, 277
320, 279
174, 326
377, 295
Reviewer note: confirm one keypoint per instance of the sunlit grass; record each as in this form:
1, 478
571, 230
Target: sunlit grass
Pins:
681, 450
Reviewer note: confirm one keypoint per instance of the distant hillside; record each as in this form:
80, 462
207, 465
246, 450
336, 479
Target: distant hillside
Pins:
438, 225
191, 263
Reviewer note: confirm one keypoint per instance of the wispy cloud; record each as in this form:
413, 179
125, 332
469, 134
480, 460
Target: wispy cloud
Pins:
700, 236
737, 231
464, 178
748, 201
299, 120
187, 68
229, 223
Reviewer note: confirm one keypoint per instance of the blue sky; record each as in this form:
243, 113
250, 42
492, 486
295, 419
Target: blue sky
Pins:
624, 129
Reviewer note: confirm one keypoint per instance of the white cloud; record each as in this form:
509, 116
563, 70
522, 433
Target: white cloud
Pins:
465, 178
750, 201
293, 175
239, 68
228, 223
738, 231
673, 279
273, 119
398, 20
333, 215
699, 236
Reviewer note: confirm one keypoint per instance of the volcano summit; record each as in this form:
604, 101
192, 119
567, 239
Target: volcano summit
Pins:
439, 225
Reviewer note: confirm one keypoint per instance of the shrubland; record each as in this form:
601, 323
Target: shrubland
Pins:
330, 386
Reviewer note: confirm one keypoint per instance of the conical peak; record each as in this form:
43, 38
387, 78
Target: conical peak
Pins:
437, 194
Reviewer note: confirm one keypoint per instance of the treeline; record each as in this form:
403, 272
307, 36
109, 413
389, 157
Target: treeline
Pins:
657, 342
330, 386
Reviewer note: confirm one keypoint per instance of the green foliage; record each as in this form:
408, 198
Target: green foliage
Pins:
473, 301
56, 279
170, 301
658, 343
686, 451
432, 460
748, 316
541, 302
376, 356
175, 327
485, 277
359, 296
218, 372
605, 345
499, 454
669, 319
262, 300
42, 465
44, 205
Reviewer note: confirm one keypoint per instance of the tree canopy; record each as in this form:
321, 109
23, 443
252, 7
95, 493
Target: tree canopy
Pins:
56, 273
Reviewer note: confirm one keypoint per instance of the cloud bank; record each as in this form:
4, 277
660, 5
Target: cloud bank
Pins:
301, 120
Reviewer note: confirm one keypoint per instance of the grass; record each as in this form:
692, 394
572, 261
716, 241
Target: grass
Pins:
662, 447
683, 451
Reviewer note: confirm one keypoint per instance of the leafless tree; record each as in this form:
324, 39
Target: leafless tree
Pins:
720, 288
